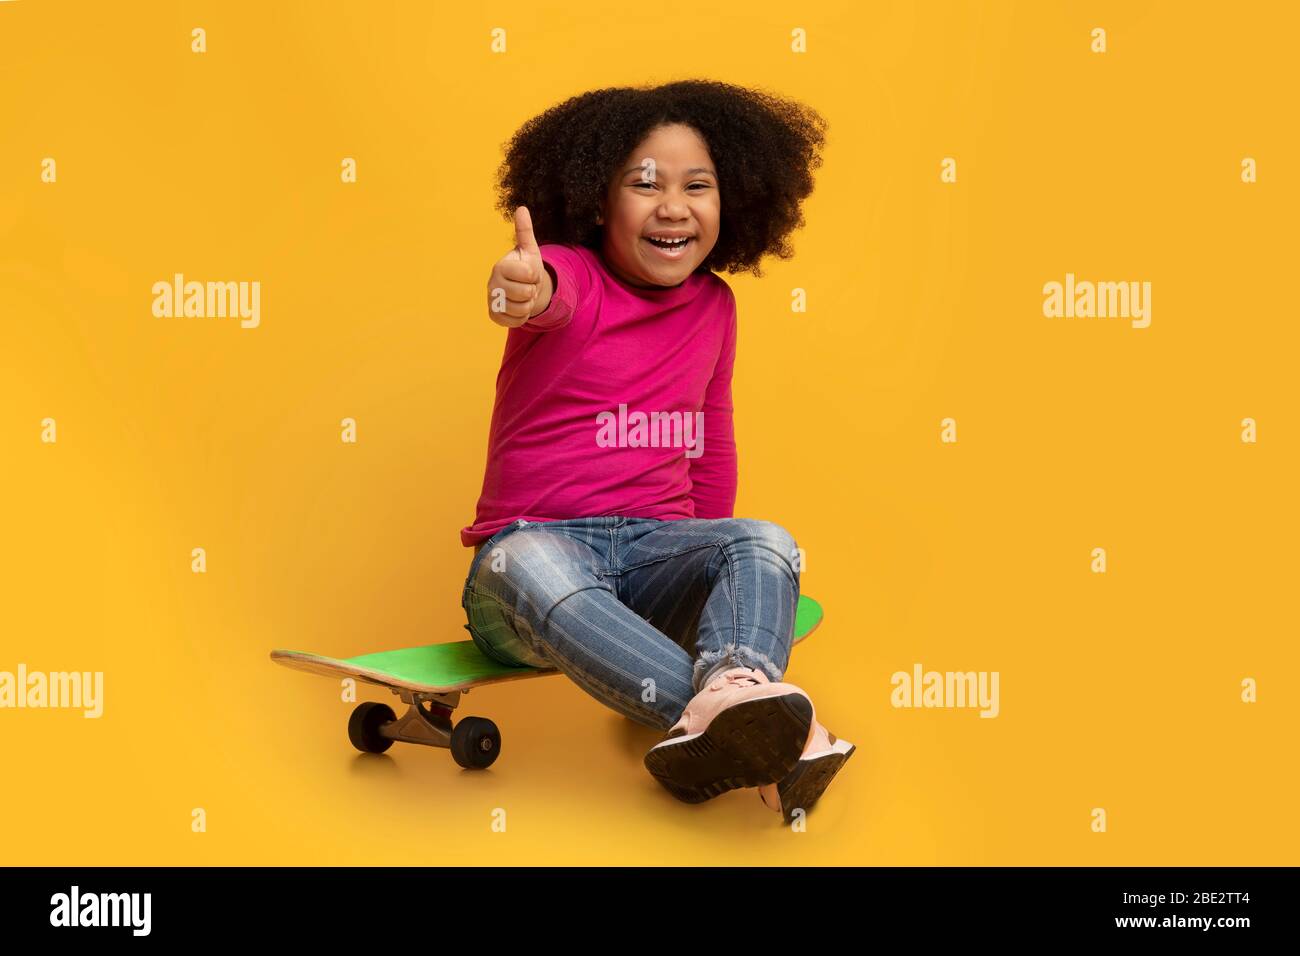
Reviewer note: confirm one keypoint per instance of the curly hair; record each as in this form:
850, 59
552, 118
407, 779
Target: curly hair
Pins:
560, 163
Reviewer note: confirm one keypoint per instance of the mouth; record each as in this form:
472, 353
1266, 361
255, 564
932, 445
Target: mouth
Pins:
669, 247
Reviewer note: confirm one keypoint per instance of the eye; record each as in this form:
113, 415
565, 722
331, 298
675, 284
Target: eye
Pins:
690, 187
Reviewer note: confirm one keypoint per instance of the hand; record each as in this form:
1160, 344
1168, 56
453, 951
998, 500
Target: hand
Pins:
519, 287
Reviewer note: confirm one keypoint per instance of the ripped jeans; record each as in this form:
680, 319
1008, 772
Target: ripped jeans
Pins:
638, 612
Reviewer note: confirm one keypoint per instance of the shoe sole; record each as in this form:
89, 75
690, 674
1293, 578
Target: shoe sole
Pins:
748, 745
809, 780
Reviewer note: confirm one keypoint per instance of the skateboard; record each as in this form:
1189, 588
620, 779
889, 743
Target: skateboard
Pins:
430, 681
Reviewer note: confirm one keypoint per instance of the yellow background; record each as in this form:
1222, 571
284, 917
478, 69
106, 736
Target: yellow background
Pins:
1119, 691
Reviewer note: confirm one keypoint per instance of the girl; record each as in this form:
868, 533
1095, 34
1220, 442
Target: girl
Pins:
605, 541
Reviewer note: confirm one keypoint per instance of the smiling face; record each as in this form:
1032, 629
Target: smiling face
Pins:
650, 207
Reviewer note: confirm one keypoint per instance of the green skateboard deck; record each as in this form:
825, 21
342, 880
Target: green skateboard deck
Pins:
431, 679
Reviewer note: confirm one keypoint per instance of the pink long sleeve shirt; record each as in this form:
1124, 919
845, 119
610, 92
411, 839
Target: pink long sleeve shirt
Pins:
615, 400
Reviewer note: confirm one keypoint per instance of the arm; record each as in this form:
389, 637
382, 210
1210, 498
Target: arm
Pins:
566, 282
714, 474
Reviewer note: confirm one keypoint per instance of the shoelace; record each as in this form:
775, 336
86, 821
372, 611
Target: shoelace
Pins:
733, 677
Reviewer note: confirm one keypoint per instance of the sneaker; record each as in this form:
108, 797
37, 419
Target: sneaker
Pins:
741, 730
821, 761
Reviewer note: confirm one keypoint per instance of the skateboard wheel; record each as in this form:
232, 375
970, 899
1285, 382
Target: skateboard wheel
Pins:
364, 724
475, 743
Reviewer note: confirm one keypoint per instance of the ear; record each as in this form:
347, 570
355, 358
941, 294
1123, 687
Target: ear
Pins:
600, 216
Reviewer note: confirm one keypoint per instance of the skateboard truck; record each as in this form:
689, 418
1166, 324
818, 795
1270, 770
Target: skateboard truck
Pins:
419, 725
474, 742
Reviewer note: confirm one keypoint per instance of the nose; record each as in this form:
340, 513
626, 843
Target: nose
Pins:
673, 207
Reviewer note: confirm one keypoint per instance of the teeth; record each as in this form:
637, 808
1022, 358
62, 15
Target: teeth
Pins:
679, 241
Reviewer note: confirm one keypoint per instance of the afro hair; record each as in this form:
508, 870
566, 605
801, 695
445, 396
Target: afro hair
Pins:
764, 148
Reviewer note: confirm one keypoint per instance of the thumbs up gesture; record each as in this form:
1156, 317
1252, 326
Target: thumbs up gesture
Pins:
520, 286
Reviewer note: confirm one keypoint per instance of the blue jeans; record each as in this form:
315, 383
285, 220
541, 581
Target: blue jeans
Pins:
638, 612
